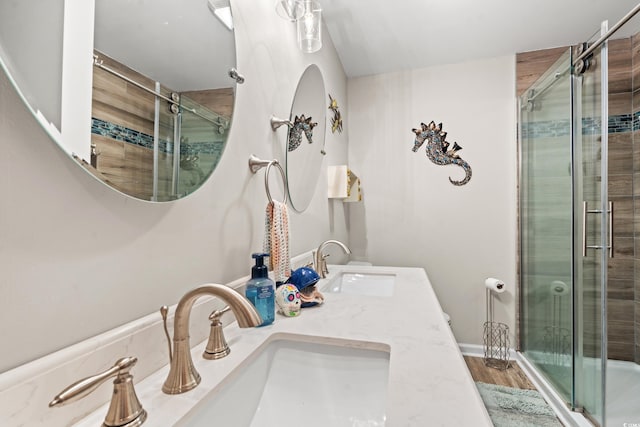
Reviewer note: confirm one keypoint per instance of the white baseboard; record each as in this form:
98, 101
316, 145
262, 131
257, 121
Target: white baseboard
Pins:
471, 349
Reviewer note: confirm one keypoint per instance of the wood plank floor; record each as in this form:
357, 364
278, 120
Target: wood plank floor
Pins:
512, 377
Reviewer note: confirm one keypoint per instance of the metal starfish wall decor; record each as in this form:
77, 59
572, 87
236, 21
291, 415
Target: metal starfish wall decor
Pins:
438, 149
336, 120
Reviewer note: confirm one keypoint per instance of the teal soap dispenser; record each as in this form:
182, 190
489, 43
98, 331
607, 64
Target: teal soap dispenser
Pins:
260, 290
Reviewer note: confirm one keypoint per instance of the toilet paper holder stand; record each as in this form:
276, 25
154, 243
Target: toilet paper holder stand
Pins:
495, 338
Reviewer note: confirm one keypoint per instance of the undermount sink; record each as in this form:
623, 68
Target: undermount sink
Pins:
370, 284
291, 382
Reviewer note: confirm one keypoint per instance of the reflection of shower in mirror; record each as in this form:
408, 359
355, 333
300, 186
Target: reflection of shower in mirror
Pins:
127, 150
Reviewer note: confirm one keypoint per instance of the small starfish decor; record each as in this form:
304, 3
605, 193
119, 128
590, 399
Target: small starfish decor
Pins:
438, 149
336, 120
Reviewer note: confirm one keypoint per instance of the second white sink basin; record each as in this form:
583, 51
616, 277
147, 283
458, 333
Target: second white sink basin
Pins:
290, 382
371, 284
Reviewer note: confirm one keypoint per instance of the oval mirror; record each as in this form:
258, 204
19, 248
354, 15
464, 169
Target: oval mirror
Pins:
306, 138
161, 98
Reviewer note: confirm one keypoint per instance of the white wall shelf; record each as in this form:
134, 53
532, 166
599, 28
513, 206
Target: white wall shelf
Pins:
343, 184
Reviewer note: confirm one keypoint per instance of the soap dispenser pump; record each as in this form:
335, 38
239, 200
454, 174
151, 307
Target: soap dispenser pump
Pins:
260, 290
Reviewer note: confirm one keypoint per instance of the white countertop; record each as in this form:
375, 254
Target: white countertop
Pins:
429, 384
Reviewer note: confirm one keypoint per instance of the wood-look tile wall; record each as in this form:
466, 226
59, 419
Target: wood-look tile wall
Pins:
635, 102
623, 297
620, 294
531, 65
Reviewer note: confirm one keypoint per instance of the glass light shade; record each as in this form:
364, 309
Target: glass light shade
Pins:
290, 10
310, 27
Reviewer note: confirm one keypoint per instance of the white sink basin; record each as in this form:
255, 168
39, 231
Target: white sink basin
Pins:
371, 284
289, 382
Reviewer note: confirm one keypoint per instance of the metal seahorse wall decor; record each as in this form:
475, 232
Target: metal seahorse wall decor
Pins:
300, 125
438, 149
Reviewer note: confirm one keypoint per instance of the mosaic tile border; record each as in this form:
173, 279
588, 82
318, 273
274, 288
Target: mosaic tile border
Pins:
130, 136
590, 126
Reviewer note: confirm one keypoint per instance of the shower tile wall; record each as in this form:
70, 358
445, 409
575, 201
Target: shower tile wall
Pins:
121, 105
620, 294
531, 65
635, 67
624, 172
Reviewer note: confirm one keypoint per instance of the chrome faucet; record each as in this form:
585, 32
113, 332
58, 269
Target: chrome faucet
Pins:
182, 374
321, 263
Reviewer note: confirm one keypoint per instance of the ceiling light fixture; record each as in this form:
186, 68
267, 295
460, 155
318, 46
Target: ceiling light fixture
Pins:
310, 27
222, 10
307, 14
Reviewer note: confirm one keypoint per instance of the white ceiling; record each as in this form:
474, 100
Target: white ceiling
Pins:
378, 36
159, 37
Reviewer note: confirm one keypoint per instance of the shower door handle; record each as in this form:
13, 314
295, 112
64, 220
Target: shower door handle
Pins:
610, 213
585, 211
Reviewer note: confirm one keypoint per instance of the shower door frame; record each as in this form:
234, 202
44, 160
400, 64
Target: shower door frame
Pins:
561, 69
603, 247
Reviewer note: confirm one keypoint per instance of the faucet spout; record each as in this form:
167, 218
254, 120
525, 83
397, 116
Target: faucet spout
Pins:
182, 374
321, 263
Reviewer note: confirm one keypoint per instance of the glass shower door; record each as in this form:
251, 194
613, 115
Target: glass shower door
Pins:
203, 134
566, 223
592, 221
547, 227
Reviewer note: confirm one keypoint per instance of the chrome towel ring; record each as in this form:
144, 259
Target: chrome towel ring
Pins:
255, 164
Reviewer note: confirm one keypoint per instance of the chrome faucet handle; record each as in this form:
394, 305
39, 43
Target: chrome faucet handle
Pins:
125, 409
321, 264
325, 269
164, 312
217, 346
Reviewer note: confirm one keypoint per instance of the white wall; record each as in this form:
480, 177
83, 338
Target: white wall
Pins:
412, 215
77, 72
31, 39
77, 258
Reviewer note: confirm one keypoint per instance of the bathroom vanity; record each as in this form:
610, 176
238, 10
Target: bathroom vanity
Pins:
390, 340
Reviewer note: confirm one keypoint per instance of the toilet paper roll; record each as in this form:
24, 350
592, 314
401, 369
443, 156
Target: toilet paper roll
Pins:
495, 285
558, 287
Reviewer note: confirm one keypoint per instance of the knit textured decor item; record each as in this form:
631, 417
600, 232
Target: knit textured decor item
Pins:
276, 239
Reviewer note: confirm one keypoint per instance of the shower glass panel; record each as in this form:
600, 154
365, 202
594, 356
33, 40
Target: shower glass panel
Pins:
168, 131
546, 226
591, 226
203, 134
190, 144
